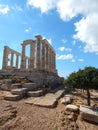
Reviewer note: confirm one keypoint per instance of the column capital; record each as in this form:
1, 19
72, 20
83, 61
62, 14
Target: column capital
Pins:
39, 37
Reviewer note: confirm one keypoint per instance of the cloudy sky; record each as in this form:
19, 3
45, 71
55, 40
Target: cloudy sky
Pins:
71, 26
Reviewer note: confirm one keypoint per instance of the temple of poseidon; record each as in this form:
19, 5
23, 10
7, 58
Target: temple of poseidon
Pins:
39, 67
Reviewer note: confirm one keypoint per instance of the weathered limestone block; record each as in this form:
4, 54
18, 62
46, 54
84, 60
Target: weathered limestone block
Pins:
35, 93
89, 113
72, 108
17, 85
19, 91
29, 86
4, 87
66, 99
11, 97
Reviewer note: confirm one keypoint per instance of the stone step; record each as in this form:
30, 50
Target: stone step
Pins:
12, 97
19, 91
16, 85
29, 86
48, 100
35, 93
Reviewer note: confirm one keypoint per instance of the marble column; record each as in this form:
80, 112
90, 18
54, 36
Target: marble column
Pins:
12, 56
46, 57
17, 60
43, 55
23, 58
32, 55
5, 57
38, 52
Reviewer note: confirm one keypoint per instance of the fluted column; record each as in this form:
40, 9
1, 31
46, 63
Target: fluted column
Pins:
43, 55
12, 56
23, 58
32, 55
38, 52
46, 57
49, 59
17, 60
5, 57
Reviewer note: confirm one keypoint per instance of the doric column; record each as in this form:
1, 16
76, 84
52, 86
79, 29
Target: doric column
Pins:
17, 60
38, 52
5, 57
47, 57
23, 58
43, 55
12, 56
32, 55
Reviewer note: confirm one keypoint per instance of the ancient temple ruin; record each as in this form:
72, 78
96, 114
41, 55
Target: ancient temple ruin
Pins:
42, 57
33, 75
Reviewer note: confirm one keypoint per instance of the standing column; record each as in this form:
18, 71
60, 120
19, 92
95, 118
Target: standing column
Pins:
49, 59
46, 57
23, 58
17, 58
43, 55
32, 55
38, 52
12, 55
5, 57
54, 64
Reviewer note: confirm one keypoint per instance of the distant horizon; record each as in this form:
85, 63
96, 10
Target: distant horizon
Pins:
70, 27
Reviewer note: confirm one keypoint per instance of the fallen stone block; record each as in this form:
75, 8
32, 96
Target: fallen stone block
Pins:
89, 113
19, 91
72, 108
43, 102
12, 97
29, 86
35, 93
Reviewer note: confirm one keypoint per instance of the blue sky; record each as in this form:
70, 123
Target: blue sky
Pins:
71, 26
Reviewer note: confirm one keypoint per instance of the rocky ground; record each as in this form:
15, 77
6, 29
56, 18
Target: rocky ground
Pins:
18, 115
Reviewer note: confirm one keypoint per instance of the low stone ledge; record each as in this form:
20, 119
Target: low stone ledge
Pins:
35, 93
17, 85
29, 86
89, 113
19, 91
12, 97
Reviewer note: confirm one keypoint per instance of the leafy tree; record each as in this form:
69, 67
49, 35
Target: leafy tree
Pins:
84, 79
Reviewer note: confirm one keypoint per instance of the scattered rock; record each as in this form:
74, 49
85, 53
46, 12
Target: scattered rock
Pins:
72, 108
89, 113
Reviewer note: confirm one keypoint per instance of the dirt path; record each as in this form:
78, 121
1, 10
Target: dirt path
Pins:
21, 116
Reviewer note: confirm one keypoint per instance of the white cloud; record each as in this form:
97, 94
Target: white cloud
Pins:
61, 48
64, 40
4, 9
64, 57
50, 41
87, 32
73, 60
17, 7
81, 60
43, 5
86, 27
65, 49
74, 42
28, 30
